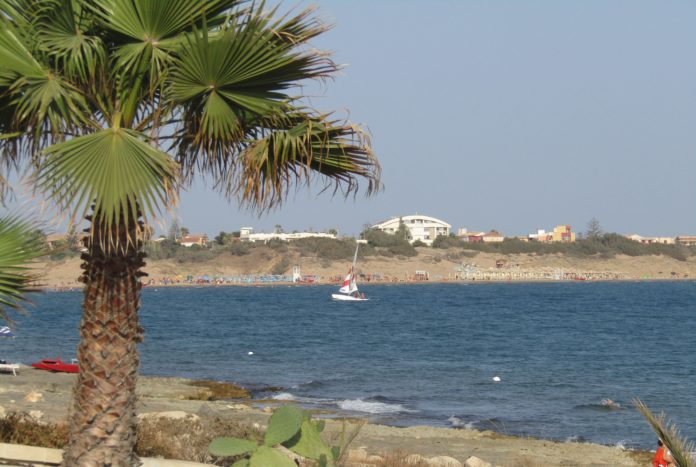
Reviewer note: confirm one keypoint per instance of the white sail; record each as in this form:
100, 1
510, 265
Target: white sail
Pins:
345, 288
353, 287
349, 288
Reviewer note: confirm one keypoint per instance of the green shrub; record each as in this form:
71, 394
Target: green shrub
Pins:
327, 248
443, 241
281, 266
403, 249
238, 248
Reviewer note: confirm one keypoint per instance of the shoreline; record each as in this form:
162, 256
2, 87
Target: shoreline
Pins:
76, 288
48, 395
429, 266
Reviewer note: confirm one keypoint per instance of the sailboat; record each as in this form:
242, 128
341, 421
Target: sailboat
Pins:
349, 288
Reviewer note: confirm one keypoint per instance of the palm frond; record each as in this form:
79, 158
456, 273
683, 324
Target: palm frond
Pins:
680, 447
114, 170
271, 165
144, 35
226, 83
66, 32
35, 101
19, 247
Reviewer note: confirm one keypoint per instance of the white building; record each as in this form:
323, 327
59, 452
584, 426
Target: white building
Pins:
649, 240
246, 234
423, 228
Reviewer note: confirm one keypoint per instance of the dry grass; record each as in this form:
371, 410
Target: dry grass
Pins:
20, 428
215, 390
186, 439
398, 459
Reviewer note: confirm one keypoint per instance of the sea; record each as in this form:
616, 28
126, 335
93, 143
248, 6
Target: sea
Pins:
424, 354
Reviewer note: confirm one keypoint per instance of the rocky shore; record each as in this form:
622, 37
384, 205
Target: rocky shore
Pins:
46, 396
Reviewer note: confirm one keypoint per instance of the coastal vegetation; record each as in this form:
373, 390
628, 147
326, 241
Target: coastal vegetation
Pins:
114, 107
606, 245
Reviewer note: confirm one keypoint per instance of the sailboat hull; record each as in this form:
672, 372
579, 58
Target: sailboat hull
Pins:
348, 298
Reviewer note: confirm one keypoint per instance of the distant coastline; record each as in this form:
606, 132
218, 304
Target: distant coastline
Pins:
429, 266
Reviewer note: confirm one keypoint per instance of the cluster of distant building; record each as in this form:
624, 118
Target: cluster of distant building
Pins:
425, 229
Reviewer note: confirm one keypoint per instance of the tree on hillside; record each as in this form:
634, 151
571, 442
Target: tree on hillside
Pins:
594, 229
117, 105
184, 232
221, 238
173, 234
402, 233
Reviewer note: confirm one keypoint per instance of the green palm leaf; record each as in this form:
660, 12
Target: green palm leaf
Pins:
66, 31
19, 246
116, 170
227, 82
309, 145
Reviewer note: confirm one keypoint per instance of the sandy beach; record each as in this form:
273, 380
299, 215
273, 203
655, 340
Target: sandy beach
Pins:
47, 396
440, 265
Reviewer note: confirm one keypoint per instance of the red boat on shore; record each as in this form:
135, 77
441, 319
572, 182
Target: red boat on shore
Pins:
57, 365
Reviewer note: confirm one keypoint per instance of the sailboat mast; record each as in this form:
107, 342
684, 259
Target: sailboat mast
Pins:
355, 257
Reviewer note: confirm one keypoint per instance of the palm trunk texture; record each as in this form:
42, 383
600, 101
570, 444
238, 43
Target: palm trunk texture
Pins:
102, 418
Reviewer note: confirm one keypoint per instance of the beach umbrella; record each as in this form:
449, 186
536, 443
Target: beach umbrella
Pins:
5, 331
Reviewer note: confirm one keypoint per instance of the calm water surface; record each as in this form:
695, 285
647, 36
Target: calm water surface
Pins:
425, 354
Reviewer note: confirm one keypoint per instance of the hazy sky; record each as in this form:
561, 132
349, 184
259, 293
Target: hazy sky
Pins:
514, 115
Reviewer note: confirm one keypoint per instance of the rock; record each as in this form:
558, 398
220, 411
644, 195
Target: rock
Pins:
267, 409
237, 406
415, 459
2, 411
206, 411
444, 461
357, 455
172, 414
33, 396
474, 461
36, 414
374, 459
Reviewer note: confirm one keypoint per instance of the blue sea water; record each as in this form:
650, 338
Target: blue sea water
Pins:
425, 354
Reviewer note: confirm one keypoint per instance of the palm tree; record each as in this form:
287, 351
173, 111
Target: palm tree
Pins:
20, 245
117, 104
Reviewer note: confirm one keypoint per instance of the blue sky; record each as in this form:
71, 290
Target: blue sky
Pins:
514, 115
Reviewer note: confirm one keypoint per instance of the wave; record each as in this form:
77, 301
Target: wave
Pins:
576, 439
457, 422
284, 396
373, 407
311, 384
601, 407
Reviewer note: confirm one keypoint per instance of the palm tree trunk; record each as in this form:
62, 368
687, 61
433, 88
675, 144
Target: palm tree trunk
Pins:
102, 419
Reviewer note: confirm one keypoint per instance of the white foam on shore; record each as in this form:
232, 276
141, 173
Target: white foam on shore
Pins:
622, 444
459, 423
284, 396
359, 405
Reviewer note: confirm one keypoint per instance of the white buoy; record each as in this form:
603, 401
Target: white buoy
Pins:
250, 353
496, 379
